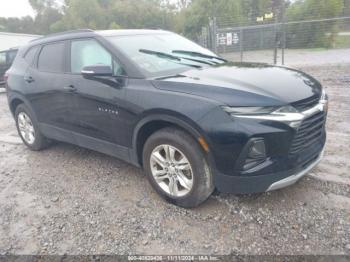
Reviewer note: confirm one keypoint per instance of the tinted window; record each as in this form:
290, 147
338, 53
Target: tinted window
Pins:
2, 58
89, 52
51, 58
11, 55
30, 55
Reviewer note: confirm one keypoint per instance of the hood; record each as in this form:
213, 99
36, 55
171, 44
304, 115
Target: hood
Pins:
244, 84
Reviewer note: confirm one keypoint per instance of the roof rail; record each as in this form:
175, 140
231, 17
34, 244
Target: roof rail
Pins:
63, 33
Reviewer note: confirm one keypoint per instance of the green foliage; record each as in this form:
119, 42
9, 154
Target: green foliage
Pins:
346, 8
17, 25
108, 14
40, 5
313, 34
81, 14
187, 17
114, 25
342, 41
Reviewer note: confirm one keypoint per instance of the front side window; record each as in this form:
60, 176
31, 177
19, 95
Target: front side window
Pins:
51, 58
89, 52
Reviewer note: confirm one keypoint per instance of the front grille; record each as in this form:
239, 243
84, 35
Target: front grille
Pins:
307, 103
311, 131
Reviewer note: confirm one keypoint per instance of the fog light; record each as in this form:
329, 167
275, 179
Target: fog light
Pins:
257, 150
256, 154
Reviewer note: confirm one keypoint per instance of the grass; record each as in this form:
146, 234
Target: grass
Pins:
342, 41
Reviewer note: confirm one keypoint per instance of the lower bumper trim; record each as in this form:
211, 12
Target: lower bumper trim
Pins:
294, 178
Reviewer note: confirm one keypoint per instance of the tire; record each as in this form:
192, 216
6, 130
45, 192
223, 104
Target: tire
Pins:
193, 182
40, 141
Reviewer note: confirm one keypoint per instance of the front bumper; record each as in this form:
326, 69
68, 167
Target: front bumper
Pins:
288, 181
291, 153
264, 183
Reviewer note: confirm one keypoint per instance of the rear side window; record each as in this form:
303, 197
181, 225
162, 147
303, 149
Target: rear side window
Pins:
51, 58
30, 55
2, 58
11, 55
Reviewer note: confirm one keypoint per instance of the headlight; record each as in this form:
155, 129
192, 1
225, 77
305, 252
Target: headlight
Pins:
286, 114
248, 110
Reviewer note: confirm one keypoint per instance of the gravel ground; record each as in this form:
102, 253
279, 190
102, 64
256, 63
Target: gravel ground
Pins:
68, 200
295, 57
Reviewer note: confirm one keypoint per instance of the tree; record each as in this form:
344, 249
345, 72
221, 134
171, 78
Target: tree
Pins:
17, 25
346, 8
81, 14
184, 16
318, 34
39, 6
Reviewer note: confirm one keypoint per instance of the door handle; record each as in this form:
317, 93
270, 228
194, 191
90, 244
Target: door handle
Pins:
70, 88
28, 79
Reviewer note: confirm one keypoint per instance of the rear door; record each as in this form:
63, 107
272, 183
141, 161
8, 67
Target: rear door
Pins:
52, 98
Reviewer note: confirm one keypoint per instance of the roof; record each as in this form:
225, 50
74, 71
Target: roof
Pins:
126, 32
89, 33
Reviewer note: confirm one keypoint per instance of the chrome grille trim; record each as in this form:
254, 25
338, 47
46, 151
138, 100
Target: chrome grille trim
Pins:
306, 103
311, 130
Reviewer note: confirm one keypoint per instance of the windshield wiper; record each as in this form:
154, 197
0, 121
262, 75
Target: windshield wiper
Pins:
211, 63
198, 54
170, 76
175, 59
159, 54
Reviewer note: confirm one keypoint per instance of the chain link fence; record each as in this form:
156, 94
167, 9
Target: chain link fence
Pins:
289, 42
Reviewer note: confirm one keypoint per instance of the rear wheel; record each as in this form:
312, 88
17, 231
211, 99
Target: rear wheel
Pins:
28, 129
176, 167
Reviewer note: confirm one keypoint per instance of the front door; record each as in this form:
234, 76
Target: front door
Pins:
99, 100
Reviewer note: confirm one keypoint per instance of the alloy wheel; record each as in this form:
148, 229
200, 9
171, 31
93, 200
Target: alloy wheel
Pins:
26, 128
171, 170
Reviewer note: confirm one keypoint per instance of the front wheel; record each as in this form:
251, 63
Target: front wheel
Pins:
176, 167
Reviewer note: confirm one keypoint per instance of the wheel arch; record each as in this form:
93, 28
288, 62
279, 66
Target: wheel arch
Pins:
14, 104
16, 99
152, 123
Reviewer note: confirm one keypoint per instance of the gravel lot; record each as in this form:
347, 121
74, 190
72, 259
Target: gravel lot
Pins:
68, 200
295, 57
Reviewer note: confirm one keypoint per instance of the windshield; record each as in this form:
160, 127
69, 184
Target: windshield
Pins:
153, 53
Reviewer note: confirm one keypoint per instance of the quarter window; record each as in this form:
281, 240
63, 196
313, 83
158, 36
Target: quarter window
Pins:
90, 52
3, 58
51, 58
30, 55
11, 55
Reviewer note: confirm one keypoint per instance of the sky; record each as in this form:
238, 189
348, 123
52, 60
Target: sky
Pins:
15, 8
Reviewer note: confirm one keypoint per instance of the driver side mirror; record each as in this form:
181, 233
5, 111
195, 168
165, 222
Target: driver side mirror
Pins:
97, 70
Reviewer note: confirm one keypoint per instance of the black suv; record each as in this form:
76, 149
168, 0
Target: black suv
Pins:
6, 60
192, 120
